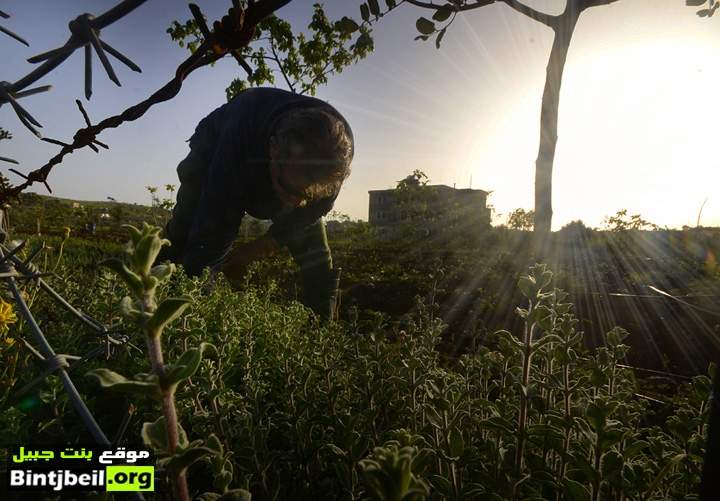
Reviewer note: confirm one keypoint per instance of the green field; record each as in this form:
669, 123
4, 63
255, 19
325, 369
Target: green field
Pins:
426, 386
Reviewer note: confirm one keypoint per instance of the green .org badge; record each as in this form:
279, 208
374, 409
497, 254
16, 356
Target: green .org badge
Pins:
130, 478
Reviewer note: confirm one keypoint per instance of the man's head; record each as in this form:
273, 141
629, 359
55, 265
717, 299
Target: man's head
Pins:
310, 155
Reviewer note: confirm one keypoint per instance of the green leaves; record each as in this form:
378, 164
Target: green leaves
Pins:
616, 336
374, 8
425, 26
456, 442
439, 38
532, 285
443, 13
291, 393
169, 310
364, 12
162, 272
574, 491
186, 365
347, 25
185, 457
143, 384
154, 435
145, 245
300, 59
131, 279
388, 473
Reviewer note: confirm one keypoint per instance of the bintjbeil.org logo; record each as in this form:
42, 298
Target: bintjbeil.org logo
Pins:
88, 469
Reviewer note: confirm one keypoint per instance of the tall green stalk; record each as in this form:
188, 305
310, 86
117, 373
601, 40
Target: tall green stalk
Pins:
165, 435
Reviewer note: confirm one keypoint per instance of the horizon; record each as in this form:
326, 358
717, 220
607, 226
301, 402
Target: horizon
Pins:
335, 213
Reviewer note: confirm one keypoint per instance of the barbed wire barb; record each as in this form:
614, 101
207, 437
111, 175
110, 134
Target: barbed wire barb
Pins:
26, 118
233, 32
10, 33
84, 30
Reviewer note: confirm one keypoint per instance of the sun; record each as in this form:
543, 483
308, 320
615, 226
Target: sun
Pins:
635, 131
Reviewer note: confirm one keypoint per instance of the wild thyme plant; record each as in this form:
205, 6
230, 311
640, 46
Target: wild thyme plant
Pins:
165, 435
293, 409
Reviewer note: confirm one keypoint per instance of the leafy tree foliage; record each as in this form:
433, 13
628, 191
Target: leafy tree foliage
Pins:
416, 179
520, 219
622, 222
304, 61
712, 6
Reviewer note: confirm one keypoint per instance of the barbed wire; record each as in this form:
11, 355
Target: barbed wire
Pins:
10, 33
84, 32
229, 35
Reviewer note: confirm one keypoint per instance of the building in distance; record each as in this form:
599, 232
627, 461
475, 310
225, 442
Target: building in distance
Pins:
429, 207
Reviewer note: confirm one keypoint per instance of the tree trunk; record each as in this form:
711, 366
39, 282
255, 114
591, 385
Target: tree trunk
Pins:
548, 125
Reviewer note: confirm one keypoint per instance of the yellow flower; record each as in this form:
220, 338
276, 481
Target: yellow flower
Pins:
7, 316
66, 232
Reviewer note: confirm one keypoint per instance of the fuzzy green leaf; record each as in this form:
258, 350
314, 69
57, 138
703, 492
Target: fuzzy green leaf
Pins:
664, 471
547, 338
131, 279
498, 423
170, 309
128, 310
610, 438
146, 251
135, 233
575, 491
528, 286
457, 443
162, 271
184, 458
214, 443
442, 485
616, 336
222, 480
143, 384
155, 435
186, 365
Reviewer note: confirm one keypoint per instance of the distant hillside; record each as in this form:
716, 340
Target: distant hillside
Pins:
50, 215
46, 215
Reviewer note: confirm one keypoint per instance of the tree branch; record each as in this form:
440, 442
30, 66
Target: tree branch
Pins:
282, 70
541, 17
426, 5
584, 4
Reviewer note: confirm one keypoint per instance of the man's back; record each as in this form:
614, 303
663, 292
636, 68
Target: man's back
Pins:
227, 174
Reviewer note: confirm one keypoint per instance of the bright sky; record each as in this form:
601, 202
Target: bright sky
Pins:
637, 115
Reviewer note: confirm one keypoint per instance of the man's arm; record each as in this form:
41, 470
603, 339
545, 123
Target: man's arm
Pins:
240, 257
310, 250
284, 229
